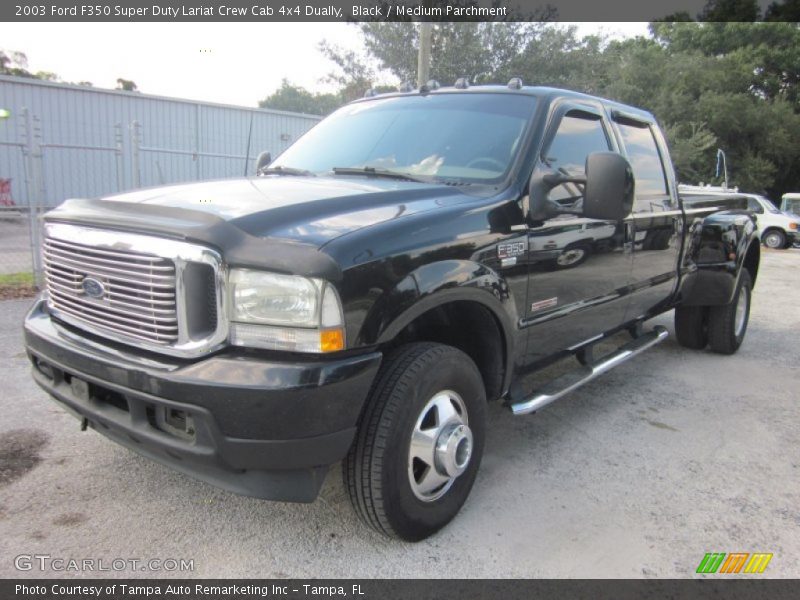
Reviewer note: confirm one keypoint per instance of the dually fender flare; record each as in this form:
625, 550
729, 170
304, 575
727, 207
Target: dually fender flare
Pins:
718, 254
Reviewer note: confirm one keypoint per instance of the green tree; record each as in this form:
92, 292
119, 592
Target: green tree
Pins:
16, 64
294, 98
127, 85
741, 81
481, 52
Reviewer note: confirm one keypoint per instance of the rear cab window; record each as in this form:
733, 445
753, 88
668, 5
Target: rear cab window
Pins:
642, 150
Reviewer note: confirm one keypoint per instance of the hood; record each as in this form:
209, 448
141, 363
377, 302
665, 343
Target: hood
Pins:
313, 210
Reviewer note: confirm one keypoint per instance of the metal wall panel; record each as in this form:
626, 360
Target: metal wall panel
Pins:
88, 146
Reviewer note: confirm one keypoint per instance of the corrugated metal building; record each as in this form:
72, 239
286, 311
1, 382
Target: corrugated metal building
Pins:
70, 141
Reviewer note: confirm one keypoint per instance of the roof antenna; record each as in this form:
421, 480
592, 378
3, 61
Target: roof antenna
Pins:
722, 161
247, 154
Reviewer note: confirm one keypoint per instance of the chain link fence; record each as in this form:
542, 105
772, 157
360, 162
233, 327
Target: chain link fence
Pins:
19, 228
23, 202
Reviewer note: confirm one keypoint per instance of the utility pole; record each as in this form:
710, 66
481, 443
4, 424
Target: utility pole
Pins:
424, 56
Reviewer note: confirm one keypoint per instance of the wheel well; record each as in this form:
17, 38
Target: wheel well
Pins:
470, 327
751, 261
773, 228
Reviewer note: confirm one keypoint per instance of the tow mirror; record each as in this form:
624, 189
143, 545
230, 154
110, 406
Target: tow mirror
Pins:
607, 190
608, 194
263, 161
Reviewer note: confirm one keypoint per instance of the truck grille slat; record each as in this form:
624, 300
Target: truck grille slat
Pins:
74, 286
138, 298
80, 249
120, 306
86, 264
103, 312
68, 255
127, 331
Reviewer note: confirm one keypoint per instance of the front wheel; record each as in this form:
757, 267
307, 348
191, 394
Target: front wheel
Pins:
775, 239
420, 442
727, 324
573, 256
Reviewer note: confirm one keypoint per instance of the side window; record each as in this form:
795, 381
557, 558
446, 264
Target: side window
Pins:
645, 160
578, 135
753, 205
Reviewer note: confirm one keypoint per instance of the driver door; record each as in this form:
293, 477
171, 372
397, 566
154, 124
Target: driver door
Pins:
579, 268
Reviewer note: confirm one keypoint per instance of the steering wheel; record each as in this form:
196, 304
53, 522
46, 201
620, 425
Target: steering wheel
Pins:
493, 163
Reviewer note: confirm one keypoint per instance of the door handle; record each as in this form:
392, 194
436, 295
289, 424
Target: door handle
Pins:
629, 236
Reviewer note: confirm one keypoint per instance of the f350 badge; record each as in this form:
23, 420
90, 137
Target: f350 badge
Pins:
508, 251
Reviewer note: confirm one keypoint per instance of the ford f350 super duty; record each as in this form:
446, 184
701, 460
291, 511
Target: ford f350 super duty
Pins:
411, 257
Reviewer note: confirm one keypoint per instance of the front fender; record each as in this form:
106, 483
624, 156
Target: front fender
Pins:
715, 257
433, 285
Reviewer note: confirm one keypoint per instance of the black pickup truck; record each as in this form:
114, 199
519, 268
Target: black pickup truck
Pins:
413, 256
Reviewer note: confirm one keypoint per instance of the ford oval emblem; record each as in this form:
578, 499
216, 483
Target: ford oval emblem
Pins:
93, 288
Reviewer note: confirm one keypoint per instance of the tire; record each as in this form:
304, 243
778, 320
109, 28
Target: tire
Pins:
573, 256
691, 326
775, 239
378, 469
727, 324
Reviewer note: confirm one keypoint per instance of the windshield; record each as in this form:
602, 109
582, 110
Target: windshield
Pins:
769, 205
468, 138
791, 205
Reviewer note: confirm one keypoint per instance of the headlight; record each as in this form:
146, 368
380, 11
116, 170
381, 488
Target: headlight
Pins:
284, 312
793, 225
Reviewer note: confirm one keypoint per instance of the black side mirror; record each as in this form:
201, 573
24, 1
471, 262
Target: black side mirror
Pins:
607, 190
608, 194
263, 161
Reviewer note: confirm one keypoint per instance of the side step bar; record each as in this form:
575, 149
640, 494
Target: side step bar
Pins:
568, 382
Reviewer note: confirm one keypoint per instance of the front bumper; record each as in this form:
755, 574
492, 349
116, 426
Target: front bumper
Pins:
237, 420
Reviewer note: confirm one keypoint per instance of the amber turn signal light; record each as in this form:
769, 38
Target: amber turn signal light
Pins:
331, 340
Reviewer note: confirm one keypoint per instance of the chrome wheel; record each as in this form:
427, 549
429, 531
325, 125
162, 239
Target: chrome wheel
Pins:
570, 257
441, 446
741, 312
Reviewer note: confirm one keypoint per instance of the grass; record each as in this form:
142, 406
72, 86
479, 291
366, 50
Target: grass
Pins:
16, 279
17, 285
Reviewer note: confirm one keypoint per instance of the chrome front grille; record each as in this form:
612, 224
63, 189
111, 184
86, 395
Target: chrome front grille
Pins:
138, 290
158, 294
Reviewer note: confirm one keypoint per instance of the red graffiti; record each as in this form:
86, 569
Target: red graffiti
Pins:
5, 193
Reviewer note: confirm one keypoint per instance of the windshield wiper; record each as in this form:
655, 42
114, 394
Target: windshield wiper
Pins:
280, 170
373, 172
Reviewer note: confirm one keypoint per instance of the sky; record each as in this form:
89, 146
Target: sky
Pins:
231, 63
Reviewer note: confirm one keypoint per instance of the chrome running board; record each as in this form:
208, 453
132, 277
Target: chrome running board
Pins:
568, 382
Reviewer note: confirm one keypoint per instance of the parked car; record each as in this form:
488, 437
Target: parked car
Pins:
776, 229
364, 296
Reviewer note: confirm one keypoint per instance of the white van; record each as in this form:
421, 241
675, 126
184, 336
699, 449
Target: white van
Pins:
790, 203
776, 228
